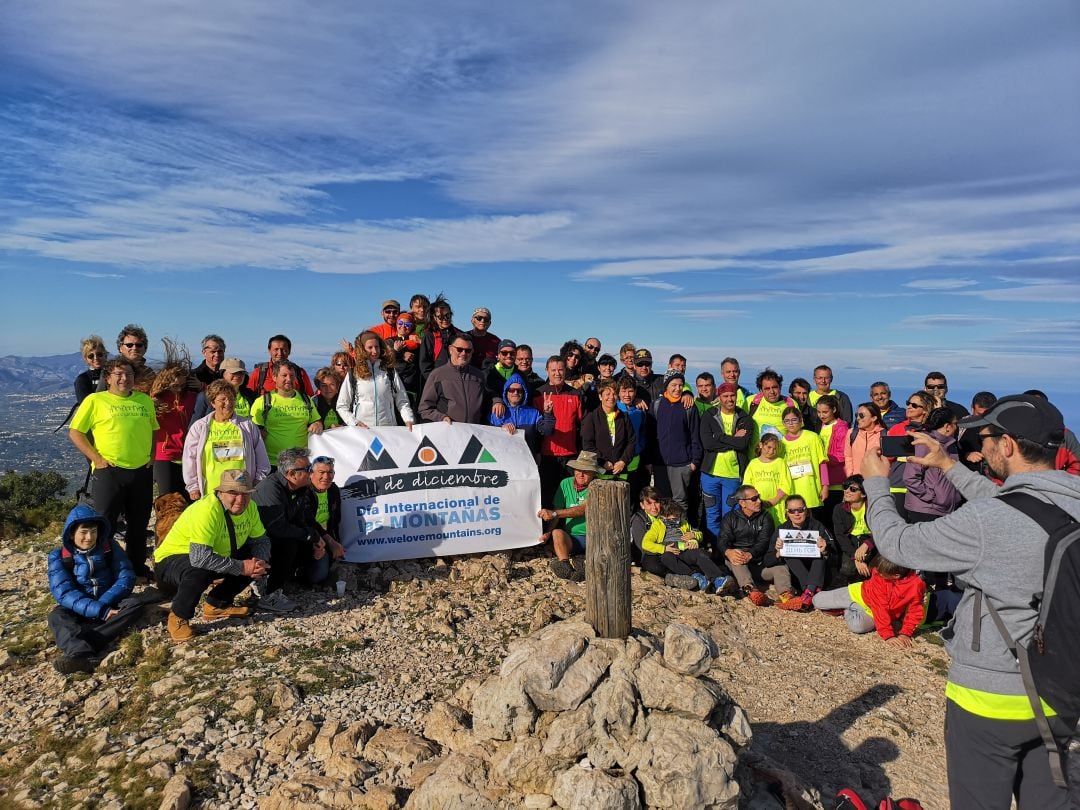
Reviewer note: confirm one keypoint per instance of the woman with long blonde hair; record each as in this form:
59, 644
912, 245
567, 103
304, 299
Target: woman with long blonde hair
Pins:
372, 394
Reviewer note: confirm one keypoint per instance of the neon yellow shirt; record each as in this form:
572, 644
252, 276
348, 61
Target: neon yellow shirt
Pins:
768, 478
286, 424
860, 528
242, 408
815, 396
204, 523
322, 513
123, 427
223, 450
803, 456
768, 418
727, 463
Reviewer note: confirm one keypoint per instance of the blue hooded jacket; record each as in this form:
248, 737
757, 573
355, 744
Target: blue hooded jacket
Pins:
90, 583
524, 416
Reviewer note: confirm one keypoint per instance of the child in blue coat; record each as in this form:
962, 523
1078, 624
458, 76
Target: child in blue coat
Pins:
91, 580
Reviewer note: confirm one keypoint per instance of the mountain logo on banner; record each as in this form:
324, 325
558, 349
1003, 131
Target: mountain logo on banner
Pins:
427, 455
377, 458
476, 453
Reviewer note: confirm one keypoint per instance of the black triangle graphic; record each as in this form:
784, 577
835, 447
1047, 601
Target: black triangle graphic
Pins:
427, 455
472, 451
384, 461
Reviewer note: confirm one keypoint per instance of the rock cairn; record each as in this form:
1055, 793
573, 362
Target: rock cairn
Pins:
576, 721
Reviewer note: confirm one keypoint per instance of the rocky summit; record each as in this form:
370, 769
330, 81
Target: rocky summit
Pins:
470, 682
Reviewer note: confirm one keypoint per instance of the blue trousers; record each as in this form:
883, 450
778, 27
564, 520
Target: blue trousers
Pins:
715, 492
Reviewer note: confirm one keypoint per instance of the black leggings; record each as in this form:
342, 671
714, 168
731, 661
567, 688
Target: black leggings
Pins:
691, 561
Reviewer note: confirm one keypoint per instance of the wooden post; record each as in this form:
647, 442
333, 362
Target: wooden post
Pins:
607, 558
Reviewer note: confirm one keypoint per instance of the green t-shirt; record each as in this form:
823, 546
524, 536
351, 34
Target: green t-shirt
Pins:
123, 427
204, 523
242, 408
815, 395
287, 422
223, 450
803, 457
727, 463
331, 420
567, 497
768, 418
322, 514
860, 528
768, 479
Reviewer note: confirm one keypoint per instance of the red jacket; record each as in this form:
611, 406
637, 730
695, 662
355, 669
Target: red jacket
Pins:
569, 408
173, 415
892, 600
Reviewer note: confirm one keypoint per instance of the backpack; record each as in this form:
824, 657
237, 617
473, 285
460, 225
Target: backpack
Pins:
258, 376
68, 559
268, 401
1050, 664
393, 376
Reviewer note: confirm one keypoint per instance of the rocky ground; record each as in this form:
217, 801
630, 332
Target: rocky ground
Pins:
329, 706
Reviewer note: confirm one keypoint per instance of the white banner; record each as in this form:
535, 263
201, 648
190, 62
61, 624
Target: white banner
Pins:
439, 489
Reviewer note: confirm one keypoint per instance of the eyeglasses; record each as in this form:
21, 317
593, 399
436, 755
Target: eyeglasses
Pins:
322, 460
134, 345
752, 498
462, 349
792, 420
796, 510
341, 363
935, 387
853, 488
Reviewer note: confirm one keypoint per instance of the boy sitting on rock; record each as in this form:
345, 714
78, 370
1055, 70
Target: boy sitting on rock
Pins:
91, 579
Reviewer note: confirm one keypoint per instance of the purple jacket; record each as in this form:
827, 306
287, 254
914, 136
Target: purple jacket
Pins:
929, 492
258, 465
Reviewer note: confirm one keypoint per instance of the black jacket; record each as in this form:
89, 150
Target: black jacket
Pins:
333, 521
595, 437
741, 533
429, 360
843, 522
715, 441
286, 514
813, 525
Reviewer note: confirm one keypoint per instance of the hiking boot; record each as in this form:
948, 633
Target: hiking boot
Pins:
578, 564
702, 582
724, 586
683, 581
789, 601
756, 596
180, 630
70, 664
228, 612
277, 602
563, 569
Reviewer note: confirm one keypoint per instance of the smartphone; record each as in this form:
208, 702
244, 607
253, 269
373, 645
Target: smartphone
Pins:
896, 446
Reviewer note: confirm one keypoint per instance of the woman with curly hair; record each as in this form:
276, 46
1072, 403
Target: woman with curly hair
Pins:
373, 395
174, 404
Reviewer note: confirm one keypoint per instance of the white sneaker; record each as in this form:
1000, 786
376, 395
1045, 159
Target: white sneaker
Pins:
277, 602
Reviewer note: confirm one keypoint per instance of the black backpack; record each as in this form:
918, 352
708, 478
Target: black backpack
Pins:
1050, 663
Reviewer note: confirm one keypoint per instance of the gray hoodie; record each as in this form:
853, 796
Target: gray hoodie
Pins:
985, 543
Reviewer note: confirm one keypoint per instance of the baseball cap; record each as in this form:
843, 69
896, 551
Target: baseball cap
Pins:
1023, 416
232, 364
642, 356
390, 302
235, 481
507, 344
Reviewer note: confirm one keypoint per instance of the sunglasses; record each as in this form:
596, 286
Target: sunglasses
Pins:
96, 355
592, 348
914, 405
322, 460
507, 352
994, 434
482, 318
752, 498
936, 387
306, 469
133, 345
388, 310
460, 350
443, 316
404, 323
643, 364
515, 390
862, 415
853, 488
573, 356
796, 510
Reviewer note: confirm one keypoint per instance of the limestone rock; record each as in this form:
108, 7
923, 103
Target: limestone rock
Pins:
322, 749
353, 739
308, 791
458, 784
448, 725
688, 651
501, 710
570, 734
526, 769
574, 685
350, 770
295, 736
177, 794
102, 705
592, 789
380, 797
284, 696
687, 765
240, 762
660, 688
166, 685
394, 747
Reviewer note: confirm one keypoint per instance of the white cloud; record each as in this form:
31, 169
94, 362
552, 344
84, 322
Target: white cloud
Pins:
655, 285
1049, 293
947, 321
941, 283
96, 275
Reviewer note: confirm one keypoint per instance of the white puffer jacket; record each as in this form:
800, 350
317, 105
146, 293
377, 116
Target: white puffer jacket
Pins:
373, 401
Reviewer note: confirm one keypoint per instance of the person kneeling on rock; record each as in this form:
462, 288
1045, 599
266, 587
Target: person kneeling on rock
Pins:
220, 536
91, 579
569, 538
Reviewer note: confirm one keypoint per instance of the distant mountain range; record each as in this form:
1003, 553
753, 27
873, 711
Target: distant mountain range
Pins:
40, 375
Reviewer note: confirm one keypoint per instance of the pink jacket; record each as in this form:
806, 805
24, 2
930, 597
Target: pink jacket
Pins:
258, 465
835, 452
854, 451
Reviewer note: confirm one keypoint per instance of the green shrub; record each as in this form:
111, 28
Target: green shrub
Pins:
30, 501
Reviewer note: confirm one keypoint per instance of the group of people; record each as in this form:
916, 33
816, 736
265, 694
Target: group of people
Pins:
864, 510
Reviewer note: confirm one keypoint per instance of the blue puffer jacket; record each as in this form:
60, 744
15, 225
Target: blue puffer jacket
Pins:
89, 583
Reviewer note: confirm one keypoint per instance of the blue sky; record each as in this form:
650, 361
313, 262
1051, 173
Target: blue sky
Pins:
883, 187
